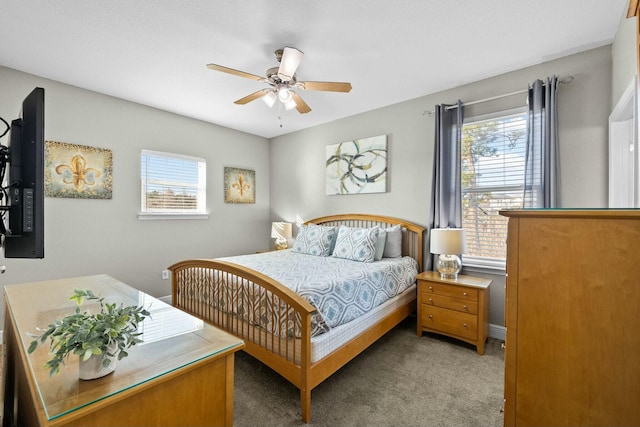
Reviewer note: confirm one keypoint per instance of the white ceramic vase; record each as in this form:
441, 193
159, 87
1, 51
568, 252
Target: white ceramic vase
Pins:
92, 368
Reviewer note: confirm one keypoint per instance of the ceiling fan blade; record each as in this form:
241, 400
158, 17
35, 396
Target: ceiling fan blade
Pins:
325, 86
252, 97
301, 106
228, 70
289, 63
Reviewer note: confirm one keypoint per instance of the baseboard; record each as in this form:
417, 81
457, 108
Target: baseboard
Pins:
498, 332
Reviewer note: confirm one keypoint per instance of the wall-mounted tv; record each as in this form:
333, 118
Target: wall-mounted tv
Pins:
22, 197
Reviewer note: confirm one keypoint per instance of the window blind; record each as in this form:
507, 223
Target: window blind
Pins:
172, 183
493, 157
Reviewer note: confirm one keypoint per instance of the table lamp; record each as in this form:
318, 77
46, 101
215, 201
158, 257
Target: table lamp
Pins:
281, 231
448, 243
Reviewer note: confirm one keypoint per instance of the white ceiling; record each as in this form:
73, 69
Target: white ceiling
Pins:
155, 52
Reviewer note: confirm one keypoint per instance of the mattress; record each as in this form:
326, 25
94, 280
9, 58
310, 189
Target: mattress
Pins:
341, 290
323, 345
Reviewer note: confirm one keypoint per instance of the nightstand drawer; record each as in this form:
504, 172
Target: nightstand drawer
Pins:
450, 303
453, 291
448, 321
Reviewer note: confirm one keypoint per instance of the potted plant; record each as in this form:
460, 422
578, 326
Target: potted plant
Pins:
99, 339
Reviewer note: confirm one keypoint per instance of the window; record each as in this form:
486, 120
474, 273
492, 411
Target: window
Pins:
173, 185
493, 157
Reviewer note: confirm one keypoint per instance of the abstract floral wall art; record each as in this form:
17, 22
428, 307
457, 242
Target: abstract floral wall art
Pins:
357, 167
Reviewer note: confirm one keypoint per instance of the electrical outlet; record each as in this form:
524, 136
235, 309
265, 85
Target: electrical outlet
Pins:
165, 274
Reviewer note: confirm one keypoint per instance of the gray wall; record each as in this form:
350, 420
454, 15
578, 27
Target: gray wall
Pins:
297, 159
84, 237
105, 236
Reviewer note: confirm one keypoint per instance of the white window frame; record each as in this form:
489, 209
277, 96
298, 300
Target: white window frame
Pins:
486, 263
199, 213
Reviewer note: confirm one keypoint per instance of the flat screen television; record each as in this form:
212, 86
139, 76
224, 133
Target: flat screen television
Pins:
22, 224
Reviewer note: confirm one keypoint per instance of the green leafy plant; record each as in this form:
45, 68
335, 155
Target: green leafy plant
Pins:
88, 335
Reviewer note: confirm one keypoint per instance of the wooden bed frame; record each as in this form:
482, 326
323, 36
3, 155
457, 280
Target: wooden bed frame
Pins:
193, 284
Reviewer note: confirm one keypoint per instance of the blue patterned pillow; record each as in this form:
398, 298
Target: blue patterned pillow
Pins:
357, 244
315, 239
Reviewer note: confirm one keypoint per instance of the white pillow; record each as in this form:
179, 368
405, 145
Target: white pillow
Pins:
315, 239
393, 244
357, 244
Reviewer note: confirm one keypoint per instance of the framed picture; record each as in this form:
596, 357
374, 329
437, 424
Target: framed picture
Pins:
357, 167
77, 171
239, 185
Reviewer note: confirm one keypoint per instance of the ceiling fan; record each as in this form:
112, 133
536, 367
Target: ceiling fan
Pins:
283, 82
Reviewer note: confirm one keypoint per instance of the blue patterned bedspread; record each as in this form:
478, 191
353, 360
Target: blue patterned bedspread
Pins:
340, 289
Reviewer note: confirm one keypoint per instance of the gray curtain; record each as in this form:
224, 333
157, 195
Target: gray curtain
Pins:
541, 181
446, 190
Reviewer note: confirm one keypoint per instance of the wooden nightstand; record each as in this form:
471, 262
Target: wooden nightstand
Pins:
457, 308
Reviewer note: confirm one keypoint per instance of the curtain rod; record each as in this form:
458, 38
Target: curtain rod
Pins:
564, 80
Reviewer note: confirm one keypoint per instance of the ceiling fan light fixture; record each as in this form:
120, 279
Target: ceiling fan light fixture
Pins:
284, 95
291, 58
270, 98
290, 104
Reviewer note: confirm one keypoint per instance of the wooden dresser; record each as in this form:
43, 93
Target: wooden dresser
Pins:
573, 318
181, 375
458, 308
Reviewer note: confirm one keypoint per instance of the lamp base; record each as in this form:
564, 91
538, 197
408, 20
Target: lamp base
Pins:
449, 266
281, 244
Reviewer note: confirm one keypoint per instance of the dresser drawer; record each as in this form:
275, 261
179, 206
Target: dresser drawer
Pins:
453, 291
457, 304
449, 321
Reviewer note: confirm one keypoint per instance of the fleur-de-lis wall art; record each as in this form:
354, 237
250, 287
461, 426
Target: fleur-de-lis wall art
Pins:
81, 175
77, 171
239, 185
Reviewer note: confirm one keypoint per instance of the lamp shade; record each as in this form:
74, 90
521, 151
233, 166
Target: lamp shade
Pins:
270, 98
291, 58
281, 230
450, 241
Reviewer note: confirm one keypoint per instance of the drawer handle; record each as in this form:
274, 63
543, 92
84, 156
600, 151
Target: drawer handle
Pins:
465, 325
430, 288
465, 307
465, 294
430, 300
430, 316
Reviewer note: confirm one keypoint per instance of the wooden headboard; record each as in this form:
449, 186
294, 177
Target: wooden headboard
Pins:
412, 234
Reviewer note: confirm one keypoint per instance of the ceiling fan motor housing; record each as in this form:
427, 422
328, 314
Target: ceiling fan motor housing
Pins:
274, 80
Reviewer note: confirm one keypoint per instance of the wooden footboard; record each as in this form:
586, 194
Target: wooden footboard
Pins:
233, 298
274, 321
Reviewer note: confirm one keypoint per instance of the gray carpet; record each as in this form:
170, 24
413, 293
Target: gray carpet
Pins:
401, 380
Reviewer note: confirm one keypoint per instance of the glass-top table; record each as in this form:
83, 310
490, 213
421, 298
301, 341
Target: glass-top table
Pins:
171, 338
